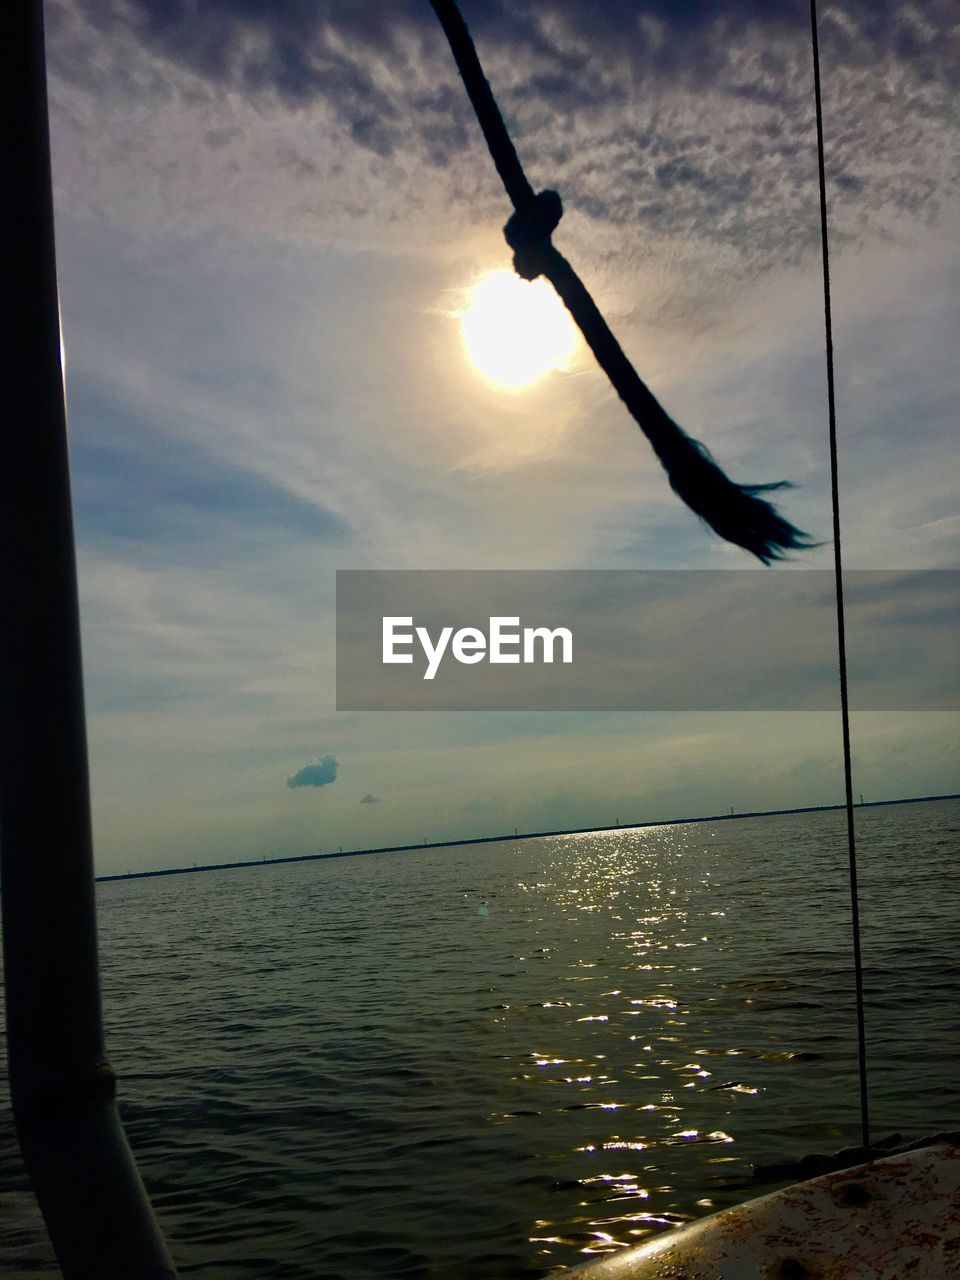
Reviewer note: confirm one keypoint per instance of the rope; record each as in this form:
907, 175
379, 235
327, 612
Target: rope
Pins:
735, 511
838, 573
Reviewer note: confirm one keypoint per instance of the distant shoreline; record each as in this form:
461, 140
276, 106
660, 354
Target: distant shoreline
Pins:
521, 835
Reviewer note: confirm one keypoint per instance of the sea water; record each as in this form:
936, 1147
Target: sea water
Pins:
500, 1060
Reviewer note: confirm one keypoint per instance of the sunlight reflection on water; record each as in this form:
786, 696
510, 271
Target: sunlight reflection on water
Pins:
493, 1061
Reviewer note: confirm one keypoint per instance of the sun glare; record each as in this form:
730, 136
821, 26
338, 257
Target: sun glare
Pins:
516, 331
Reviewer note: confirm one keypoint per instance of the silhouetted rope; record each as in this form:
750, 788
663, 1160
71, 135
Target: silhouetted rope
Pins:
734, 511
838, 568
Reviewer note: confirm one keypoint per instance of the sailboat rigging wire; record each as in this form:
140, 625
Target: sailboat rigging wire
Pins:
735, 511
838, 574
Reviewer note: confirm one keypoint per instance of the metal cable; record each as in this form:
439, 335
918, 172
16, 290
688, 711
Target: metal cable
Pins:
838, 571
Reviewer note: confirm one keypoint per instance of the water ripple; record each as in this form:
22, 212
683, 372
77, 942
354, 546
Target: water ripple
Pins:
494, 1061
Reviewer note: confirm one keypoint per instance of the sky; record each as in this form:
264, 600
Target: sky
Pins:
269, 218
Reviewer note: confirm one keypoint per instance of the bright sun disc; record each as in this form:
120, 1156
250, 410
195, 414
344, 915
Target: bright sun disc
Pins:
516, 331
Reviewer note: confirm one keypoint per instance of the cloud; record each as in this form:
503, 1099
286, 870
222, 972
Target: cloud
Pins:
369, 799
358, 55
318, 774
176, 505
258, 279
315, 119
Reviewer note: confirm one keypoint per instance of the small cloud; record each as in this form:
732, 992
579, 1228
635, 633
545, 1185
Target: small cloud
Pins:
318, 774
369, 799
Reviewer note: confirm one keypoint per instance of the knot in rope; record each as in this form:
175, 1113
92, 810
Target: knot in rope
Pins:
529, 230
736, 512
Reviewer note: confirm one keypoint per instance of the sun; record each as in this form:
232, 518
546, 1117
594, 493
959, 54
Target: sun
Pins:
516, 331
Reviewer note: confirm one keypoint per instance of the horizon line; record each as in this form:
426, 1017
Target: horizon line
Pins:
517, 835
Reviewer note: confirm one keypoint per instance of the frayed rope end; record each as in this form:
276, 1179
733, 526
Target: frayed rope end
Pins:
734, 511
